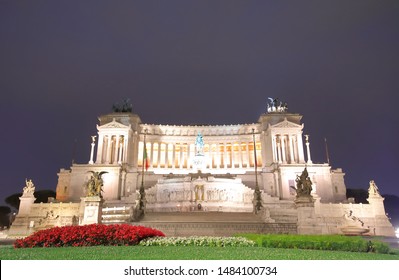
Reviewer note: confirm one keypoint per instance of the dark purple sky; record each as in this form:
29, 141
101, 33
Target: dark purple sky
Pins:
63, 63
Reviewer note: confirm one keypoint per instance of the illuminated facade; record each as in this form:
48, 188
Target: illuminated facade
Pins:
208, 170
228, 150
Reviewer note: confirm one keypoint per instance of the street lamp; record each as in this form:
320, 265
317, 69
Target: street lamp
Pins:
257, 194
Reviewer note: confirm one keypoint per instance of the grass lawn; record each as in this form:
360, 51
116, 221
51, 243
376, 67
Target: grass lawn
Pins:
182, 253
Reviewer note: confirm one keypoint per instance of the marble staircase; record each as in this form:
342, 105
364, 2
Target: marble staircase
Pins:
203, 223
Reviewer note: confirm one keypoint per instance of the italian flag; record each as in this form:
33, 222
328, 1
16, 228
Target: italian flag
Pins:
146, 161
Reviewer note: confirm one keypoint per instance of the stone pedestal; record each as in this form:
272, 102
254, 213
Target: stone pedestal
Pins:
382, 223
199, 162
21, 225
353, 230
92, 210
25, 205
305, 200
307, 219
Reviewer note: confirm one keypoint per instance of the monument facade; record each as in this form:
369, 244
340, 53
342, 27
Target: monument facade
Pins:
263, 167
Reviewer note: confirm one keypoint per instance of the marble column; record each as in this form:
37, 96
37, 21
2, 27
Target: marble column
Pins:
120, 152
188, 156
100, 149
125, 148
159, 155
92, 149
308, 149
166, 155
291, 149
152, 155
274, 148
278, 152
109, 146
181, 156
301, 155
283, 148
225, 155
240, 154
210, 156
217, 156
248, 156
174, 155
116, 149
232, 159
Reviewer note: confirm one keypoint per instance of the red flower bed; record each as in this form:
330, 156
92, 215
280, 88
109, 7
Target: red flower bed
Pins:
88, 235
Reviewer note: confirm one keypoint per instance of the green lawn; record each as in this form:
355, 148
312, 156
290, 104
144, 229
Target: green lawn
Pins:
182, 253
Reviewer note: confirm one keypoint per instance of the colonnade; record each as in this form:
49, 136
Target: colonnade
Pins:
287, 148
112, 149
217, 155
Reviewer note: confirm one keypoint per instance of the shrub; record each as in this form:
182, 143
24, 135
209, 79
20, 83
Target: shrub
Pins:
88, 235
319, 242
202, 241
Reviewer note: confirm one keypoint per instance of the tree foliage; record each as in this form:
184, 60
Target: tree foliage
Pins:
5, 216
360, 195
5, 210
41, 196
13, 200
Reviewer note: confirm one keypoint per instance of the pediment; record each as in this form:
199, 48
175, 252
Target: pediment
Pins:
286, 124
113, 124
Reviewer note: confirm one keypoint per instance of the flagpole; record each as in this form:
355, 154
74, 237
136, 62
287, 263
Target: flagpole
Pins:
327, 154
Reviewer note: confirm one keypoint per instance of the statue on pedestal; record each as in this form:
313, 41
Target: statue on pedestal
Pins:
373, 189
303, 185
125, 107
275, 105
29, 188
95, 183
199, 144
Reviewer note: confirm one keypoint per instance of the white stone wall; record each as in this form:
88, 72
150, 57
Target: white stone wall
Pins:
63, 185
330, 216
338, 184
79, 176
45, 215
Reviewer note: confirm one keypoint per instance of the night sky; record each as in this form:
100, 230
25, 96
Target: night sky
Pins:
64, 63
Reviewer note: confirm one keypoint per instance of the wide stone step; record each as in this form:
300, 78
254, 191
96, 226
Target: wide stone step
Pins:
201, 217
284, 215
219, 228
212, 224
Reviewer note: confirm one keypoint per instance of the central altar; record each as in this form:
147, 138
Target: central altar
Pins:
199, 192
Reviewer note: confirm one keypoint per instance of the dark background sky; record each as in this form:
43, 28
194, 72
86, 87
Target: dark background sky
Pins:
64, 63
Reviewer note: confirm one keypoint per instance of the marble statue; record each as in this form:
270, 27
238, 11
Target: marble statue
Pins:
29, 188
353, 225
373, 189
353, 220
199, 192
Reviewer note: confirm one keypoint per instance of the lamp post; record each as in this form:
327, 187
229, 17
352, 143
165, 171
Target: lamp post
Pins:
257, 195
142, 192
